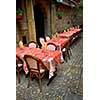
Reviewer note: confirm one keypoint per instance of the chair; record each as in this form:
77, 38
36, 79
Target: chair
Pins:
35, 67
47, 38
19, 67
51, 46
32, 44
41, 39
67, 51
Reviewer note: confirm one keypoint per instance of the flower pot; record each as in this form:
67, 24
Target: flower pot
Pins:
59, 17
19, 17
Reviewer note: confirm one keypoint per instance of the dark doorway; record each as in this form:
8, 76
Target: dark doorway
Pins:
39, 23
24, 39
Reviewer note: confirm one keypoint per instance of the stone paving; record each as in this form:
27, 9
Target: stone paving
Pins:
67, 85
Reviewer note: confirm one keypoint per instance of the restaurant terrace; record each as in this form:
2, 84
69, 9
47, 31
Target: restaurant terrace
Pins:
49, 50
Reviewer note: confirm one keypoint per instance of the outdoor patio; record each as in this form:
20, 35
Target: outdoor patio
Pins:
67, 85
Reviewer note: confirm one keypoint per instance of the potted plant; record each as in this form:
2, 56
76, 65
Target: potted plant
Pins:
59, 15
19, 13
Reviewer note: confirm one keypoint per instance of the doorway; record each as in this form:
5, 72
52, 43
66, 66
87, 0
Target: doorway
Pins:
39, 23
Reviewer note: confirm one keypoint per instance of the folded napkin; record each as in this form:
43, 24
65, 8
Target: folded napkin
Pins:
21, 44
44, 46
64, 31
55, 35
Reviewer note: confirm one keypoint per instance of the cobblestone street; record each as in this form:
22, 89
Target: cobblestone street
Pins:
67, 85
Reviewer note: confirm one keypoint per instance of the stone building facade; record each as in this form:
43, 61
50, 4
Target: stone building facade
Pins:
40, 18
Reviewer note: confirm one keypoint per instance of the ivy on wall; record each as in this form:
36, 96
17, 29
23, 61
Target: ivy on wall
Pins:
79, 12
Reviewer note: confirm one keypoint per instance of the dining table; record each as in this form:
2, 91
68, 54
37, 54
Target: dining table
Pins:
68, 34
50, 58
60, 43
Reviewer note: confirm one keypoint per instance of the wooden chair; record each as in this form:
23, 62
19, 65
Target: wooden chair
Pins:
41, 39
19, 67
32, 44
35, 67
67, 51
51, 46
47, 38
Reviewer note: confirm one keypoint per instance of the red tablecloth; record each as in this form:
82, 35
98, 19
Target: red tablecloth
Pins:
58, 41
39, 53
68, 34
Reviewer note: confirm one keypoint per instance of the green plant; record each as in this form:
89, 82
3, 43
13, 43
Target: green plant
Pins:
19, 12
59, 14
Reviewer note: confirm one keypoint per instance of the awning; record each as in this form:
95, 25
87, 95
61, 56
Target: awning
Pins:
71, 3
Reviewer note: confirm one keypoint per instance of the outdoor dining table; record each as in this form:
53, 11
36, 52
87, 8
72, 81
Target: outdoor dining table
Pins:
60, 43
50, 58
68, 34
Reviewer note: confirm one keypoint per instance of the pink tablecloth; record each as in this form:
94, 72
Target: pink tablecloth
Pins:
68, 34
58, 41
39, 53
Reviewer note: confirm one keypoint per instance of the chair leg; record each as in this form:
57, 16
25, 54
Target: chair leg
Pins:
29, 80
64, 56
40, 85
70, 51
28, 83
68, 54
18, 77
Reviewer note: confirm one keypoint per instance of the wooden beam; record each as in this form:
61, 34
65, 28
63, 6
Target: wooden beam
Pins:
30, 20
53, 19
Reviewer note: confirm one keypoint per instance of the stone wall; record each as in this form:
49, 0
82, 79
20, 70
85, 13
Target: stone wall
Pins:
21, 25
66, 21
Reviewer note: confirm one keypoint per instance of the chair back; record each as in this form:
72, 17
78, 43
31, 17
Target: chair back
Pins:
47, 38
42, 40
33, 63
19, 61
32, 44
51, 46
36, 67
19, 67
